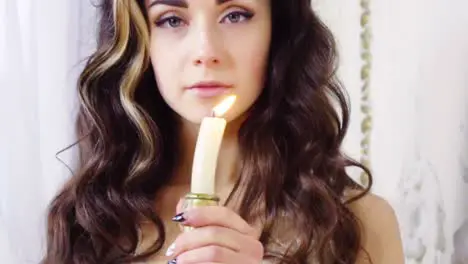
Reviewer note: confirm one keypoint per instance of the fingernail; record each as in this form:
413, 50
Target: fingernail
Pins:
174, 261
179, 218
170, 250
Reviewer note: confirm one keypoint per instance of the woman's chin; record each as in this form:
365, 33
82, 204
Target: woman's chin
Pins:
197, 118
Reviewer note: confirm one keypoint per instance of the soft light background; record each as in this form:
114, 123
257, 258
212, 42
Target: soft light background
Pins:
419, 88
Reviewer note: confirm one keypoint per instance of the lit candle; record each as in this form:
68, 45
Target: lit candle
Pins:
207, 148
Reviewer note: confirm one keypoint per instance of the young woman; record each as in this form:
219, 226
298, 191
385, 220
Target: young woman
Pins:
159, 69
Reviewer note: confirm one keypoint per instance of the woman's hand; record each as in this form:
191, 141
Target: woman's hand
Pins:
219, 236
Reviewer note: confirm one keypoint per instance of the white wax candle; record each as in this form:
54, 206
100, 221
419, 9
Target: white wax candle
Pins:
207, 148
206, 155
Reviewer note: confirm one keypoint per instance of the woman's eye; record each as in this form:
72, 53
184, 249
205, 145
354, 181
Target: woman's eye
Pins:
237, 17
170, 22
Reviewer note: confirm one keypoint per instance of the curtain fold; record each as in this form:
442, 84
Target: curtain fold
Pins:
42, 45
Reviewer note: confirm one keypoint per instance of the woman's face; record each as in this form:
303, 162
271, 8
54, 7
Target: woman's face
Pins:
203, 50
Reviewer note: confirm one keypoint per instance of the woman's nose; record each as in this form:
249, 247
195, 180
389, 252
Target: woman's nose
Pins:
208, 49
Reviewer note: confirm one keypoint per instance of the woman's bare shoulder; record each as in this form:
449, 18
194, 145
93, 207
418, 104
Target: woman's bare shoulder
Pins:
380, 230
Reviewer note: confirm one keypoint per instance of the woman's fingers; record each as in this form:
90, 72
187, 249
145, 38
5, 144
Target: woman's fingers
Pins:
214, 254
219, 236
216, 236
215, 216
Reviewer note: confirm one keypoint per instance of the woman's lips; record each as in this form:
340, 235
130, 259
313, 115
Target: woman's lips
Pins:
209, 89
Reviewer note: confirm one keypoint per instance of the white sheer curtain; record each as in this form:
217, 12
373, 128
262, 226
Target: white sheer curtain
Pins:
41, 45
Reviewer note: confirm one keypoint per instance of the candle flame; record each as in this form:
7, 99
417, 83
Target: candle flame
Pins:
224, 106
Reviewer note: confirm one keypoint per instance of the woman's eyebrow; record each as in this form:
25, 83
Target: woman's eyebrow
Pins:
179, 3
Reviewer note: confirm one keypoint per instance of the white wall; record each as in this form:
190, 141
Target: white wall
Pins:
419, 146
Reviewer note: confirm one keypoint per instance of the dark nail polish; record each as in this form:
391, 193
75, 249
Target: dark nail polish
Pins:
174, 261
179, 218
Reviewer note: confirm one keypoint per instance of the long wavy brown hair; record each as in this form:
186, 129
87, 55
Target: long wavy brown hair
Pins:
290, 146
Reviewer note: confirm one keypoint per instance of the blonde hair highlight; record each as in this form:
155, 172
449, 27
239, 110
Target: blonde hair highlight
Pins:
125, 12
